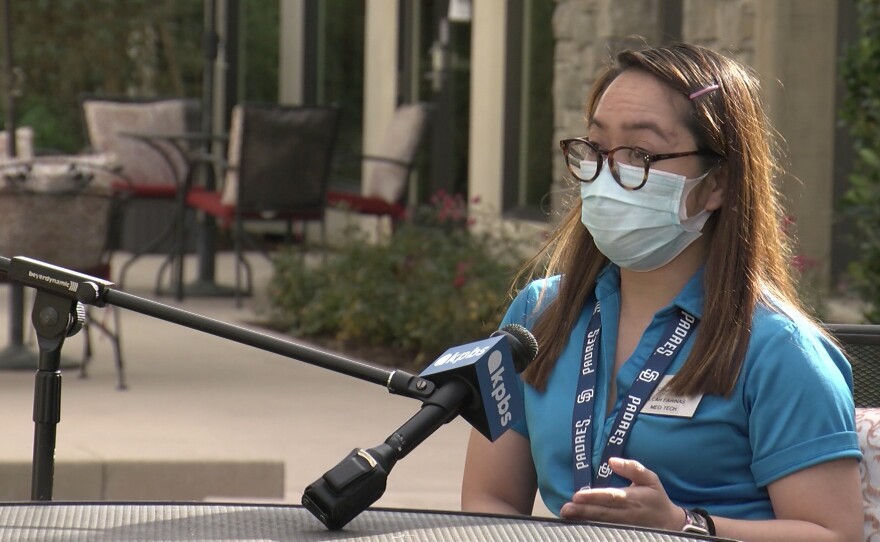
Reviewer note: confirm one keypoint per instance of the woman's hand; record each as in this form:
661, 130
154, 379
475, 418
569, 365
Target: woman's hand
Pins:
643, 503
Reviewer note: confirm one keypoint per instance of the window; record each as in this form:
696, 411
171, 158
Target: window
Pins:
529, 145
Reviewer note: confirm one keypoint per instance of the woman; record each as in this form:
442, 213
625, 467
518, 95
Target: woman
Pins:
674, 265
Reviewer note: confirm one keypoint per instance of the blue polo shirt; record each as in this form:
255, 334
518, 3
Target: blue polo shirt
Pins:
791, 408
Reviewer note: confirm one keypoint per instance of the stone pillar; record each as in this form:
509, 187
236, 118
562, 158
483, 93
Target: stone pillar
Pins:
290, 52
796, 59
486, 141
380, 72
727, 26
587, 33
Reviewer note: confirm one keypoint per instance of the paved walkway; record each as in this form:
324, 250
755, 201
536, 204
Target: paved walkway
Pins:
202, 410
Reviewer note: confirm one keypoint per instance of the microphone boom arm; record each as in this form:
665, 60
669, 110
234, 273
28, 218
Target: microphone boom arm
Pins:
58, 313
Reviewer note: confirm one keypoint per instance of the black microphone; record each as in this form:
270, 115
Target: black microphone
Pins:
475, 380
488, 368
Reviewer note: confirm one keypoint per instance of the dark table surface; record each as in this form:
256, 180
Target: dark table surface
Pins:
95, 522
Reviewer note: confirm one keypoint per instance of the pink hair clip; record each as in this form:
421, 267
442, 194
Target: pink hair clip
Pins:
702, 91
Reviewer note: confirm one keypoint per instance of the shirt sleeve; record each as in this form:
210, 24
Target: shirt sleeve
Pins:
797, 390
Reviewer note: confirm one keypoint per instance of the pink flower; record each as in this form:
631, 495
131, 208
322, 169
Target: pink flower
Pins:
461, 269
803, 263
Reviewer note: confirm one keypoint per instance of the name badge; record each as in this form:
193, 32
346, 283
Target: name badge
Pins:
664, 404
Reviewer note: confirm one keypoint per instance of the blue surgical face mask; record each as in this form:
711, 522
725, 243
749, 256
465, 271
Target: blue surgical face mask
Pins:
640, 230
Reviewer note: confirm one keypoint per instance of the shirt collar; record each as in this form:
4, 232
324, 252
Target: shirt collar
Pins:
690, 298
608, 282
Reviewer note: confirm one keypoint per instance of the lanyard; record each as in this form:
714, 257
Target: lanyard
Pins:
675, 335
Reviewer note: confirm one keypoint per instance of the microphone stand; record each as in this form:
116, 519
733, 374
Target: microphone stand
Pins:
54, 318
61, 293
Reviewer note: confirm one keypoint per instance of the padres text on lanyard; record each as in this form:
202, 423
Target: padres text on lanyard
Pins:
675, 335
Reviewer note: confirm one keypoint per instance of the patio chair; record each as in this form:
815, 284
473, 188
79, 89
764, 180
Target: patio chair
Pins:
152, 171
383, 190
277, 169
868, 430
54, 212
861, 344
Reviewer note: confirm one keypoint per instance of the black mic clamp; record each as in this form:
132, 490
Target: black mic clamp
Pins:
350, 487
57, 280
359, 480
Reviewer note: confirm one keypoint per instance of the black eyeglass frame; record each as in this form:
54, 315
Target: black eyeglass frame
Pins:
609, 157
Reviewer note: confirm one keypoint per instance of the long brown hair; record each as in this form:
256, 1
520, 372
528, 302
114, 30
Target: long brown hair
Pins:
747, 261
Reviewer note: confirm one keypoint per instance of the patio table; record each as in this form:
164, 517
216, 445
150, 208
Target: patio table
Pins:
184, 144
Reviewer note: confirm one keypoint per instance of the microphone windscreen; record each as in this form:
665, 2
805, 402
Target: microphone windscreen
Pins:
523, 345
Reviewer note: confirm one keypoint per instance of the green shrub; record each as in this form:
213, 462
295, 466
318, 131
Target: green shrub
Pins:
861, 114
435, 283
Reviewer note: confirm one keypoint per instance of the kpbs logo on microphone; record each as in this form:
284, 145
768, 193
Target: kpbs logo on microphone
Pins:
487, 364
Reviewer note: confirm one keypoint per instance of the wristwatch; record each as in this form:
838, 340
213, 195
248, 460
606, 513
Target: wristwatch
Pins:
697, 522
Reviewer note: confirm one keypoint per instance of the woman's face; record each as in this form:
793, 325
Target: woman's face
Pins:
637, 110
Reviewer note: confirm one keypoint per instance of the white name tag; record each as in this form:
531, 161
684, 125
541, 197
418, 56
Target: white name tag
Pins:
663, 404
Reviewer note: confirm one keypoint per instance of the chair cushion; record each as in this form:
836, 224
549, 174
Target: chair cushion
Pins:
140, 162
868, 428
388, 181
212, 204
365, 205
233, 155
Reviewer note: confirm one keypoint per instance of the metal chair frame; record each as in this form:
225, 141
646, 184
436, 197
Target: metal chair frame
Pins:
861, 344
271, 148
131, 188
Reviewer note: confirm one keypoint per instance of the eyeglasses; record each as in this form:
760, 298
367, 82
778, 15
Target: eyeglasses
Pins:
584, 160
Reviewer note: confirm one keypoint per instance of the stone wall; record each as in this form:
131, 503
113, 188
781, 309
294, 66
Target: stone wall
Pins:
587, 33
791, 46
724, 25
